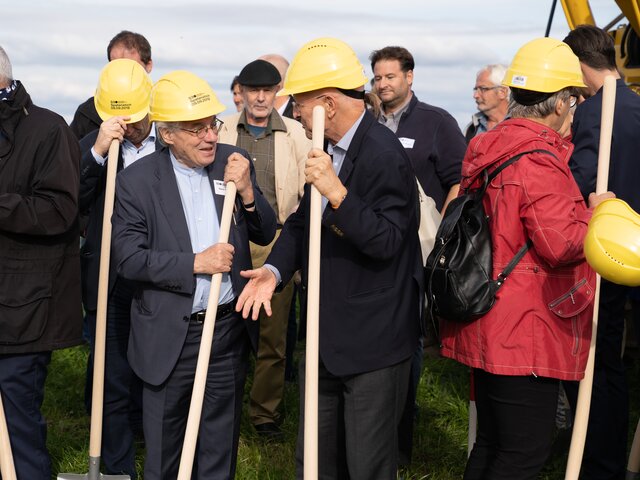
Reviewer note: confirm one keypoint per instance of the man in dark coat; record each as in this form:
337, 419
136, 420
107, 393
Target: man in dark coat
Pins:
605, 449
40, 308
370, 268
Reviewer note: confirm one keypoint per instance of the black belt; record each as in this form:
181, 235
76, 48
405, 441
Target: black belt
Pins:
224, 309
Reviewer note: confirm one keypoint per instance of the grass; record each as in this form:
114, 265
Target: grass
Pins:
440, 437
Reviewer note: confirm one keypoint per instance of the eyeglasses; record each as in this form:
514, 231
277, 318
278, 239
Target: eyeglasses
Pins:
201, 132
297, 105
573, 101
485, 89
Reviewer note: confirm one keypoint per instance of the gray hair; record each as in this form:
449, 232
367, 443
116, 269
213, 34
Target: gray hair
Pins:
6, 75
542, 109
168, 126
496, 72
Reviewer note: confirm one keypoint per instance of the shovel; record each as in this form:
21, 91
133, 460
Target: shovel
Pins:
206, 341
7, 468
95, 441
313, 316
579, 435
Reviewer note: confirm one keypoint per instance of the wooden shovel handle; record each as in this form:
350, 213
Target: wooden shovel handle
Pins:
206, 341
97, 398
313, 316
581, 422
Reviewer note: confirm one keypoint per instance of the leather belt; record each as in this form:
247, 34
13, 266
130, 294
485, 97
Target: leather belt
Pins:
223, 310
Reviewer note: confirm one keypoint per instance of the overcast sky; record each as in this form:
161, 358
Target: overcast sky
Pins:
59, 47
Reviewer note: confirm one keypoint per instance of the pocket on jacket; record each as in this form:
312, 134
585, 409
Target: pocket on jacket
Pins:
574, 301
24, 306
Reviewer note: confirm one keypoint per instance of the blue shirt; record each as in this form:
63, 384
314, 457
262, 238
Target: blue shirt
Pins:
204, 226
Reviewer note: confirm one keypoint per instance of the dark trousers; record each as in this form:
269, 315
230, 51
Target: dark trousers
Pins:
22, 379
122, 413
516, 420
605, 450
358, 418
166, 407
410, 410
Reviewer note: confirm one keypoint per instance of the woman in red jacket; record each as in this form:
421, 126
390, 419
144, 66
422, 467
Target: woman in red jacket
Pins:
539, 329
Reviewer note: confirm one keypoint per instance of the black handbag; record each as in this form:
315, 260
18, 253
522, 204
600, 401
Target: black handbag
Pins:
459, 270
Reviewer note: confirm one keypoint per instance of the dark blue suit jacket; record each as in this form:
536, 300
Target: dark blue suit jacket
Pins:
624, 168
151, 246
370, 267
93, 180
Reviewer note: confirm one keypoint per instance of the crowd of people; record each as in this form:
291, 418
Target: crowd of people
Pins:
176, 156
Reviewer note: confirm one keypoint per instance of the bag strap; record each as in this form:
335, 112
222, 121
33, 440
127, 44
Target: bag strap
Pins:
512, 264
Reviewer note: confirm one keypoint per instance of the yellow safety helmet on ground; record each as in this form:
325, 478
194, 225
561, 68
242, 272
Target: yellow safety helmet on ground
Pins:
612, 244
544, 65
322, 63
181, 96
123, 90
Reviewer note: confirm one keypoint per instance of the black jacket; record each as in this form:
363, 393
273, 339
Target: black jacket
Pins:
40, 306
435, 146
151, 246
624, 171
86, 119
93, 180
370, 267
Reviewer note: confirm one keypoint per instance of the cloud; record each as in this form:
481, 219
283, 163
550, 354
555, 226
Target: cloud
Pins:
58, 48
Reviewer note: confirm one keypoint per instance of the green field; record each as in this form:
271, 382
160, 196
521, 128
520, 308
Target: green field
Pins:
440, 436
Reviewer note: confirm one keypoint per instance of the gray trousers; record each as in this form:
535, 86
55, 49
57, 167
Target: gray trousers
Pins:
358, 417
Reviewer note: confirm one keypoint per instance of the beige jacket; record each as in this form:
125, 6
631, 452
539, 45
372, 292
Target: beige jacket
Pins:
291, 149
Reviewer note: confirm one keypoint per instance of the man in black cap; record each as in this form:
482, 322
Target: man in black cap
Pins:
278, 147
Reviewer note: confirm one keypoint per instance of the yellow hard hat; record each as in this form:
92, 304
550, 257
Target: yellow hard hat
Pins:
544, 65
123, 90
612, 244
322, 63
181, 96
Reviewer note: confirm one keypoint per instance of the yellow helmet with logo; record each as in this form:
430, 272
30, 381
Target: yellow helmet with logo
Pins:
612, 244
544, 65
181, 96
322, 63
123, 90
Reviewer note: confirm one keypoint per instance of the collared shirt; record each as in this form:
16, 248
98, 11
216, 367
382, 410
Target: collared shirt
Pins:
204, 226
480, 121
392, 120
131, 153
262, 152
338, 153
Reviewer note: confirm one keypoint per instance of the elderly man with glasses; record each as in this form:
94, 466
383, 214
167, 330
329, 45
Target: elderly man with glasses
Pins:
492, 100
166, 240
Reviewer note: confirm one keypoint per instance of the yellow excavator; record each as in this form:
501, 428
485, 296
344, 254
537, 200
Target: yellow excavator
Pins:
626, 37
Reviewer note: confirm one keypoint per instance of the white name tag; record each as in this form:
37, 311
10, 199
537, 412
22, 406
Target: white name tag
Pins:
407, 142
220, 187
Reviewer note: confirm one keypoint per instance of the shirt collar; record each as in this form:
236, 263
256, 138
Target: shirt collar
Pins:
345, 141
398, 113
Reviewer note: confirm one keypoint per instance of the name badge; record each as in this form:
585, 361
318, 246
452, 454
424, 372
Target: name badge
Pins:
407, 142
219, 187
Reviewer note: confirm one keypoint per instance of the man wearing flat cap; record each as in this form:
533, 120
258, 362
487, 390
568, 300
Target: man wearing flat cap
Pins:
278, 148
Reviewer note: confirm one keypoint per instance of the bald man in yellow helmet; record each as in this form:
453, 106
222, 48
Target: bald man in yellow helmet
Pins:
370, 267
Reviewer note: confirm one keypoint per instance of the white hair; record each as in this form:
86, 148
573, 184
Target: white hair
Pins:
6, 75
496, 72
